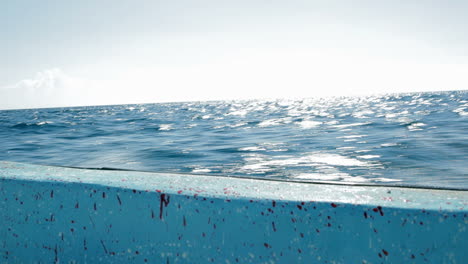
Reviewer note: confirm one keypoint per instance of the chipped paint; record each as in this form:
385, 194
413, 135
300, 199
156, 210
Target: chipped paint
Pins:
54, 214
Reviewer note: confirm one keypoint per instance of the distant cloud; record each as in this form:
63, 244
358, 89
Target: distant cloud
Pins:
55, 88
45, 81
46, 88
52, 88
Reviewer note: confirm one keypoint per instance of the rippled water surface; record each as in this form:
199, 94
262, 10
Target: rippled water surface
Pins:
413, 139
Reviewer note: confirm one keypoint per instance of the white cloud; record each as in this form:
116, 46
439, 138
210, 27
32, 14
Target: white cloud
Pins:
46, 88
50, 88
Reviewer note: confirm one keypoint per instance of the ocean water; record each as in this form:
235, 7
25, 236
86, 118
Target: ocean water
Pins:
403, 139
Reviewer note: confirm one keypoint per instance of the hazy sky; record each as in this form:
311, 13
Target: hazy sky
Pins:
87, 52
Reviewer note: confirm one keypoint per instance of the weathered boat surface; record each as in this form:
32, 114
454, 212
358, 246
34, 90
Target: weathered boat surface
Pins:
57, 214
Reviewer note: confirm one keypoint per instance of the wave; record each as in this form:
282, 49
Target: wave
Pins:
37, 124
163, 154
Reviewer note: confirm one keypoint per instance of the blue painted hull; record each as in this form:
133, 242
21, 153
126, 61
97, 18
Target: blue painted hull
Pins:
53, 214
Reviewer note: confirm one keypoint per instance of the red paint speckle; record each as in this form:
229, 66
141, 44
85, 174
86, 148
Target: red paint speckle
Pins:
334, 205
385, 252
378, 209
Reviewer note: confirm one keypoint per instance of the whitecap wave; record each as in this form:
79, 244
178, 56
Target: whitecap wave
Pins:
274, 122
309, 124
262, 164
237, 113
352, 136
369, 156
165, 127
416, 126
44, 123
201, 170
252, 149
351, 125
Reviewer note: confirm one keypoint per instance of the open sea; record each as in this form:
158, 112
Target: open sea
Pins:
402, 139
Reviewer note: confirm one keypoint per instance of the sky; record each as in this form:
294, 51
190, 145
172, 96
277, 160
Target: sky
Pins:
68, 53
